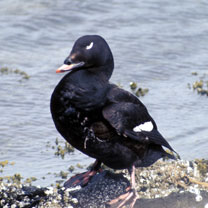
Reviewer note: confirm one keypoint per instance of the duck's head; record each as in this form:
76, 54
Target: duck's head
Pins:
92, 53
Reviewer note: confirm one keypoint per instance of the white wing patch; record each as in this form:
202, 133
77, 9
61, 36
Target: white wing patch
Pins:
90, 46
147, 126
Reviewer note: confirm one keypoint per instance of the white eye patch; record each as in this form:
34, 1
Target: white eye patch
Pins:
89, 46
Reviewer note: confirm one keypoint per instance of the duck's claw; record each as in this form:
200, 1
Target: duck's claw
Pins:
128, 198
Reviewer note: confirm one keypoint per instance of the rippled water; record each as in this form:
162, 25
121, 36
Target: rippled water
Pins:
155, 43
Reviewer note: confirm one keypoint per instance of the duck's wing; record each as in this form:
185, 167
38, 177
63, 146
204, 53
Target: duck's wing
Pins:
130, 118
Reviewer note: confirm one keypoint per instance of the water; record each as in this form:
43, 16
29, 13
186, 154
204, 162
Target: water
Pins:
155, 43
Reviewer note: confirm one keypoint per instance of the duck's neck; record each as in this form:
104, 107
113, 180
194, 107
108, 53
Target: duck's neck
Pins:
103, 73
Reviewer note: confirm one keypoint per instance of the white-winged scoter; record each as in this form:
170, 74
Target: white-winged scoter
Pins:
102, 120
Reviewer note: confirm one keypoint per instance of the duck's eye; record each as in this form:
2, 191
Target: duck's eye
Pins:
88, 47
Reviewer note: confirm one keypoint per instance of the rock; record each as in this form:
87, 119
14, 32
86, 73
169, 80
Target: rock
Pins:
174, 200
101, 189
175, 184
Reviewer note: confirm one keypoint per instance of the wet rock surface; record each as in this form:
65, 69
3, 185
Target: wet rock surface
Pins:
165, 184
175, 200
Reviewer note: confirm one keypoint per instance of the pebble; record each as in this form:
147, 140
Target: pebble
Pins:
49, 190
198, 198
74, 200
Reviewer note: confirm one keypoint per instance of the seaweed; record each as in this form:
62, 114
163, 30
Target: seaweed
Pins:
6, 70
201, 85
202, 166
62, 150
138, 91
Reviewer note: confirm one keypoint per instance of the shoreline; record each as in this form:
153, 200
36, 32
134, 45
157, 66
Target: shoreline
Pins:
170, 184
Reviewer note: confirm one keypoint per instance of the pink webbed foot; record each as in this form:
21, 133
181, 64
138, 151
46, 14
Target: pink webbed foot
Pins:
128, 198
82, 179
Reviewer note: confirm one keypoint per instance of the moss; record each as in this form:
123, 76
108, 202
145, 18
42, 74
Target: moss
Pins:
202, 166
61, 151
6, 70
79, 165
16, 178
12, 163
58, 185
68, 147
202, 91
133, 85
63, 174
4, 163
198, 84
33, 178
138, 91
141, 92
24, 75
194, 73
71, 168
201, 86
30, 180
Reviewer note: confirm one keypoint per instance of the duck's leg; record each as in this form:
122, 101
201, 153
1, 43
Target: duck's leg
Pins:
82, 179
128, 198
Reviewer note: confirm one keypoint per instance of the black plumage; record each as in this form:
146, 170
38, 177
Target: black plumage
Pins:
99, 118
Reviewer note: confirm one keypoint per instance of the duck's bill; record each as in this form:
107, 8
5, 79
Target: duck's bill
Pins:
66, 67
